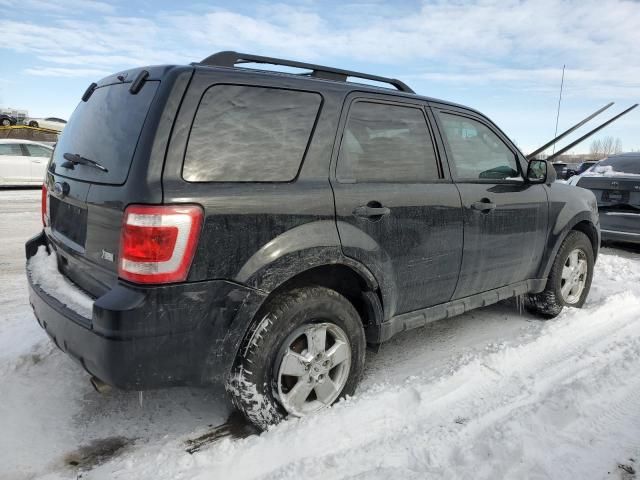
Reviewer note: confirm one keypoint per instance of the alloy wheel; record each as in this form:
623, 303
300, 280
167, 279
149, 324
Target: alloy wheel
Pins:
313, 368
574, 276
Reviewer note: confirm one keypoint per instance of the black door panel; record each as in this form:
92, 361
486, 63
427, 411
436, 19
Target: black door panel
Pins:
416, 249
502, 245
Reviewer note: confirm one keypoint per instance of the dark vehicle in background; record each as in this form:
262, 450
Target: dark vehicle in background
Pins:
7, 120
615, 181
561, 169
580, 168
564, 170
256, 229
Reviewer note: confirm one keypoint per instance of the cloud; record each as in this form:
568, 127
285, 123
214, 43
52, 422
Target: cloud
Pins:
520, 44
67, 7
66, 72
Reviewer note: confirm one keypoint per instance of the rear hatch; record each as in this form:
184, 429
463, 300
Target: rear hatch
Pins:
101, 164
616, 186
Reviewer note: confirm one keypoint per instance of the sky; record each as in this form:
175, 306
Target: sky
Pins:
503, 58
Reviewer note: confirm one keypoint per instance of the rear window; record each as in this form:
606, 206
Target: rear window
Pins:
250, 134
620, 164
105, 129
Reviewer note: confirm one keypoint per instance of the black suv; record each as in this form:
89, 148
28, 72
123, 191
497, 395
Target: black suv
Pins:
213, 224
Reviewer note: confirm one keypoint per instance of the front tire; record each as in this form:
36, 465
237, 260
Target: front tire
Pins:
6, 122
304, 353
570, 278
33, 124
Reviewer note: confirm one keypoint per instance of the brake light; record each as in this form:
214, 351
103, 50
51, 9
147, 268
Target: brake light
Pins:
44, 205
157, 243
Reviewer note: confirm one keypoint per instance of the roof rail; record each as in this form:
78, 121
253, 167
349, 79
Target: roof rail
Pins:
231, 59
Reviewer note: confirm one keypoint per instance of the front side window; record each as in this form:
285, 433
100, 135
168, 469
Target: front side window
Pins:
10, 149
386, 143
38, 151
250, 134
477, 152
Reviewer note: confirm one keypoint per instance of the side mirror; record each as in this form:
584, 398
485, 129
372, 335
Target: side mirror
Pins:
540, 171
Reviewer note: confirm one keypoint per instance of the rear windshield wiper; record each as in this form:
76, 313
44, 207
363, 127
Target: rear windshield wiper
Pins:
73, 159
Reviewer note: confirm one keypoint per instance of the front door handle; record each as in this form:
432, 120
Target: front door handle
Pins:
485, 205
365, 211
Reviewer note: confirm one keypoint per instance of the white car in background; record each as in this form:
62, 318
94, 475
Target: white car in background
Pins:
52, 123
23, 162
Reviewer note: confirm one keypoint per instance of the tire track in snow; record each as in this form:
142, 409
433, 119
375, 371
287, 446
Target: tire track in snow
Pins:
554, 378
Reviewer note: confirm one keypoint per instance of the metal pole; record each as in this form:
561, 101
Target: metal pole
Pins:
588, 134
567, 132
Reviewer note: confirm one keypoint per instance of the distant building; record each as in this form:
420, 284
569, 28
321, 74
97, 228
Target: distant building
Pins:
15, 112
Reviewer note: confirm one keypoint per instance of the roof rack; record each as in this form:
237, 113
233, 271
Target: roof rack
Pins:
231, 59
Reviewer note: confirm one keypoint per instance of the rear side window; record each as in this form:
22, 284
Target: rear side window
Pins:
38, 151
386, 143
477, 152
10, 149
250, 134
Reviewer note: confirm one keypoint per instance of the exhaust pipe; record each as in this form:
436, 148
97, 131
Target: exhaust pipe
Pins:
99, 385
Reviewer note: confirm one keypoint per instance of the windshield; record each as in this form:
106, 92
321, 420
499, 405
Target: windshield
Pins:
104, 129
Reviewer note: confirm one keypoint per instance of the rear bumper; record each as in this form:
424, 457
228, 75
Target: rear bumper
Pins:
150, 337
618, 226
615, 236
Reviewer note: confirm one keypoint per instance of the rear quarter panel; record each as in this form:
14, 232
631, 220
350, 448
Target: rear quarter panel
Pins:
259, 233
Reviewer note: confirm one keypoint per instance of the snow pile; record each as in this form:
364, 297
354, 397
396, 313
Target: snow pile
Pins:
559, 403
606, 171
43, 268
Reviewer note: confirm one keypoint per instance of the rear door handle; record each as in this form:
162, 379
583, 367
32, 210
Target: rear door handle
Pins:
367, 212
485, 205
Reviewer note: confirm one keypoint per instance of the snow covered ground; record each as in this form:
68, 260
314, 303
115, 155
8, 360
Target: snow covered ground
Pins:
490, 394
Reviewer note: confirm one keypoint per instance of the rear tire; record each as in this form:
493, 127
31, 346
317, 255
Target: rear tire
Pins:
33, 124
6, 122
305, 352
570, 278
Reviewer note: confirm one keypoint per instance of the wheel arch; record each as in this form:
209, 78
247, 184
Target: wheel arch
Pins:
581, 222
590, 230
347, 280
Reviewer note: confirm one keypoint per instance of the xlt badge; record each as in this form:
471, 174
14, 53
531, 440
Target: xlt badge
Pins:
108, 256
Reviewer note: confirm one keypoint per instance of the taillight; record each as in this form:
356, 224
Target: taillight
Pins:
157, 243
44, 205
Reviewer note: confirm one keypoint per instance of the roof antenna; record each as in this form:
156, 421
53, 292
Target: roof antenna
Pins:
558, 114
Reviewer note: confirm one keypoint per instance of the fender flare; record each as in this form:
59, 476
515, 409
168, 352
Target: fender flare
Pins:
559, 233
297, 250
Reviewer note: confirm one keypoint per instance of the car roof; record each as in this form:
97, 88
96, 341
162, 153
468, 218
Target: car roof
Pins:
628, 155
18, 140
158, 72
348, 85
